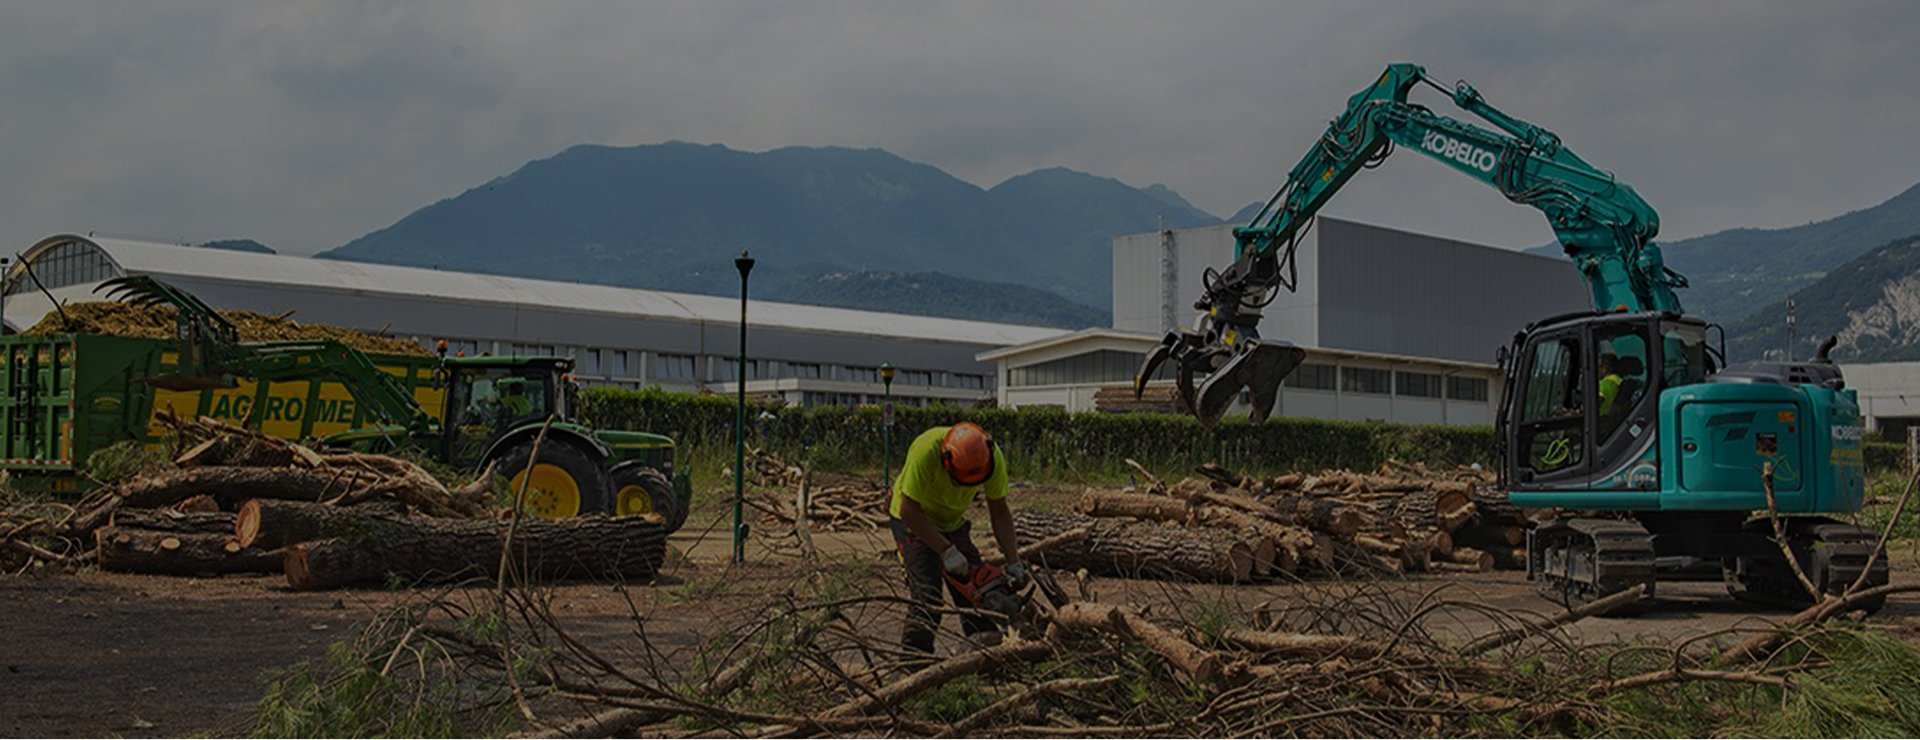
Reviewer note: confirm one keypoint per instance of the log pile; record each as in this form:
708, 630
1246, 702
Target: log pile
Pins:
236, 501
1155, 399
1224, 527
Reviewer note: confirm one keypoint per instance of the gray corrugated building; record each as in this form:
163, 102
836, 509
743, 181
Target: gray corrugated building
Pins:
1397, 326
1361, 287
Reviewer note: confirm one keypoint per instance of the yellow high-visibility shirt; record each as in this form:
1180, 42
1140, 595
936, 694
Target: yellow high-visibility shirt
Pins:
923, 479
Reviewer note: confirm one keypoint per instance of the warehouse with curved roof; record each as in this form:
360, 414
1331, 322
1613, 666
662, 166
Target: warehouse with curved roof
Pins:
628, 337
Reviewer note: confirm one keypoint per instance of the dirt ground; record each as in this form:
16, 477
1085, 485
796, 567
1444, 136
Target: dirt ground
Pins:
100, 654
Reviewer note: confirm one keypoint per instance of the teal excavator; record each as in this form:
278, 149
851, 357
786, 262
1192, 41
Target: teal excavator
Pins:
1626, 417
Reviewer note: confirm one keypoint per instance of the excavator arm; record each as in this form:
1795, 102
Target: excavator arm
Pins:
1604, 226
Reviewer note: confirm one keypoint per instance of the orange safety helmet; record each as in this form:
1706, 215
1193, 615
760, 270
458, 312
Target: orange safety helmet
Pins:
967, 454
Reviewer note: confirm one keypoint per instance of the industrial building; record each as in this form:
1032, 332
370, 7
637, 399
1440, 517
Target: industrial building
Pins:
1889, 394
1397, 326
806, 355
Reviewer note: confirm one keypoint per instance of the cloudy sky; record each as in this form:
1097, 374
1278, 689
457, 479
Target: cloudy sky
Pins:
304, 124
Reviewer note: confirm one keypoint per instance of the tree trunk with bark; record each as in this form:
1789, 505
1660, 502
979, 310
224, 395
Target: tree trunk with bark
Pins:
1141, 549
128, 550
272, 523
422, 550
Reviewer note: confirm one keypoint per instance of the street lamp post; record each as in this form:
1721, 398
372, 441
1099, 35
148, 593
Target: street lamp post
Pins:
745, 265
886, 426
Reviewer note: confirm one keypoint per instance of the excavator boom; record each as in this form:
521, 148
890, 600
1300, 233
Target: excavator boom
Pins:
1604, 226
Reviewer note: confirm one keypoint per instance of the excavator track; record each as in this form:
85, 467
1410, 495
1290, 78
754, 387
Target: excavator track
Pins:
1578, 561
1832, 555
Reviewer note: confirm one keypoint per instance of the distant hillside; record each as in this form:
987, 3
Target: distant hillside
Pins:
934, 294
1738, 271
1872, 303
673, 216
240, 245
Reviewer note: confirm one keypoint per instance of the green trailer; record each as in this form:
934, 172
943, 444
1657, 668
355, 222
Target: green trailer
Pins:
64, 397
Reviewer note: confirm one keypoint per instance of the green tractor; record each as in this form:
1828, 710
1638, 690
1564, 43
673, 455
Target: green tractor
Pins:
513, 415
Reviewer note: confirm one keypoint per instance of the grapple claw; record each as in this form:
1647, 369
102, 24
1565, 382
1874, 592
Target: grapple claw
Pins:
1151, 364
1258, 366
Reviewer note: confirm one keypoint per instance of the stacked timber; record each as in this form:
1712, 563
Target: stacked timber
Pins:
1398, 519
236, 501
1153, 399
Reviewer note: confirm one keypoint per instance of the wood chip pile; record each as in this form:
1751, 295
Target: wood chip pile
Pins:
157, 322
236, 501
1225, 527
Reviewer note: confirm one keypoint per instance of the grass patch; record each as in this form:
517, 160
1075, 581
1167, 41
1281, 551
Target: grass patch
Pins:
356, 692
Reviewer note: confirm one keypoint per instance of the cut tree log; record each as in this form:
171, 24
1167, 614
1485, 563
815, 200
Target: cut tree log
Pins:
169, 520
1136, 505
1140, 549
422, 550
1202, 666
271, 523
128, 550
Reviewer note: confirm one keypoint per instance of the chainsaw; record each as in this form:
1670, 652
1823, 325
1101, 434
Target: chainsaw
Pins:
990, 588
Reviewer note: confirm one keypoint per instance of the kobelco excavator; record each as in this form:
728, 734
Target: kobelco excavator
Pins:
1626, 414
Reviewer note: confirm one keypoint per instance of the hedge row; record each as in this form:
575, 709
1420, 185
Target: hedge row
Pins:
1038, 440
1885, 456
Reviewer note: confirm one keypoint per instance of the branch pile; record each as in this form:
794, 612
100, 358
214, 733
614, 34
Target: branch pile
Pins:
1353, 661
795, 501
237, 501
1226, 527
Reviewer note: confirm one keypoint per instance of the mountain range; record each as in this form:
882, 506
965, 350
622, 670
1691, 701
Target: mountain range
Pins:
865, 229
655, 217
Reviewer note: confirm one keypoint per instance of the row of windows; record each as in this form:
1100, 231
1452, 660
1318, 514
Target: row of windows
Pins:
823, 398
607, 365
1375, 381
1103, 366
71, 263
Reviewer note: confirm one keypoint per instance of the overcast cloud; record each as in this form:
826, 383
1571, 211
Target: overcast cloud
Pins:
306, 124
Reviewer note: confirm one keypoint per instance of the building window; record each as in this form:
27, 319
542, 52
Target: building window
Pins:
71, 263
1313, 377
803, 370
970, 382
1103, 366
915, 377
1418, 385
1366, 380
673, 367
859, 374
1467, 389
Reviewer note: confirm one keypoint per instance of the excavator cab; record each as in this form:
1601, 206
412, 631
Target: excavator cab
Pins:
1581, 406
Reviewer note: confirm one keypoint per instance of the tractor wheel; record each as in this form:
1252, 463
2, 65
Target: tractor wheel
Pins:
638, 489
564, 483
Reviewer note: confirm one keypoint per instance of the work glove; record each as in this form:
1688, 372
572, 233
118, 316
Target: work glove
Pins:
1017, 576
955, 562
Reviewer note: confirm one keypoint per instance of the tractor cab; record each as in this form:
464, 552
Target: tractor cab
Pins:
487, 397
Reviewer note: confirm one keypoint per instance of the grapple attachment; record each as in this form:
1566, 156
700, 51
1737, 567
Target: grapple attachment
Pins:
1259, 365
207, 339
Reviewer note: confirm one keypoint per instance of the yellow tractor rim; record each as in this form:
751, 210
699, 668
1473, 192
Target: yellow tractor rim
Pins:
553, 494
634, 500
